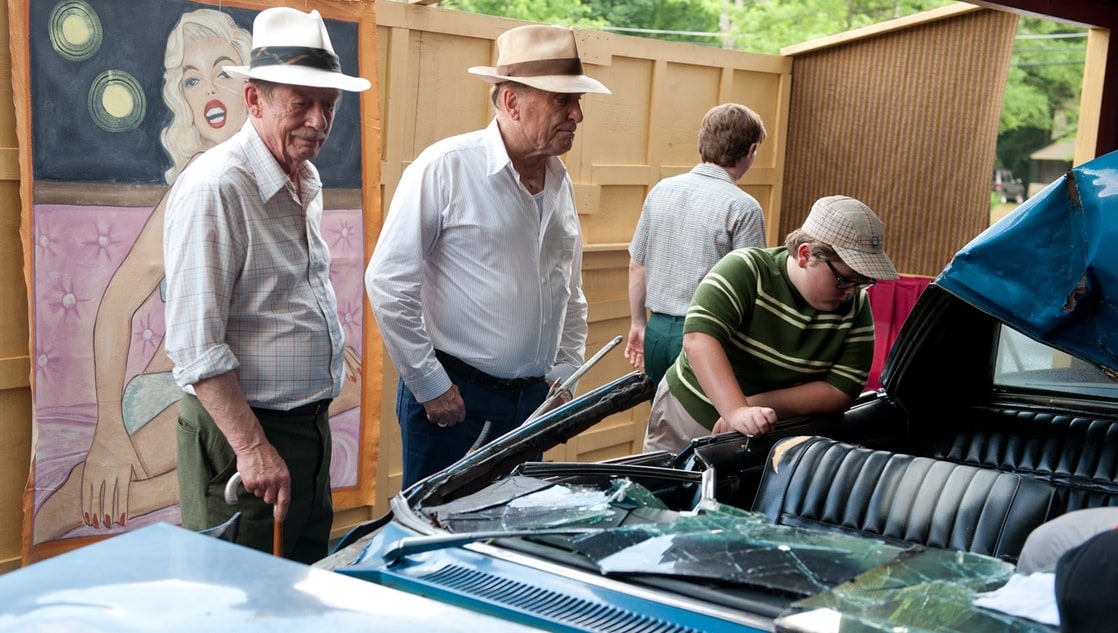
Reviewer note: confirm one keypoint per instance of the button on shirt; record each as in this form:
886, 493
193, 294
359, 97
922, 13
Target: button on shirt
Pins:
687, 224
248, 286
468, 264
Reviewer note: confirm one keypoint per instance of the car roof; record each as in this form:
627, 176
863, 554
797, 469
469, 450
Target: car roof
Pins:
1067, 300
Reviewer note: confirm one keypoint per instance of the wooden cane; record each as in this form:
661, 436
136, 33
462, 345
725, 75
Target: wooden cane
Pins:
277, 525
277, 538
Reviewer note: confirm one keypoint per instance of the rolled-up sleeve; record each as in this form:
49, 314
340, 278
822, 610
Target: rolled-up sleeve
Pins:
202, 261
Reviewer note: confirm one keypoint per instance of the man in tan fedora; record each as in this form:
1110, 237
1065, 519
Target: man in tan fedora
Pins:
476, 279
252, 323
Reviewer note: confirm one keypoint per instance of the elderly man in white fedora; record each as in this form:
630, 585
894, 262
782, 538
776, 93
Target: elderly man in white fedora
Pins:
252, 324
476, 279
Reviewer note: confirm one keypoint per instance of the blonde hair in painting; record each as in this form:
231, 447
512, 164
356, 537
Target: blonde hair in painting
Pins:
181, 138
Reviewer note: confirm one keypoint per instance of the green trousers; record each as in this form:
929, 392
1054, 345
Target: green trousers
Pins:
663, 341
206, 462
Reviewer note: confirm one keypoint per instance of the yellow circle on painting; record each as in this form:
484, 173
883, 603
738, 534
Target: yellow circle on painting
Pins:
75, 30
116, 101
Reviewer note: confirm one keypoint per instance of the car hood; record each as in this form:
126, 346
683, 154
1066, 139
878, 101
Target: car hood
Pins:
528, 441
1066, 300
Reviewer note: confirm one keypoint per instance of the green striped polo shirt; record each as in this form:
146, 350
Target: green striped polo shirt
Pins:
772, 336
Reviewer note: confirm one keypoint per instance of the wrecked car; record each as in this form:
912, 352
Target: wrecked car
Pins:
997, 412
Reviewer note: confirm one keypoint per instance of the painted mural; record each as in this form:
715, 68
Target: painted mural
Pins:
123, 94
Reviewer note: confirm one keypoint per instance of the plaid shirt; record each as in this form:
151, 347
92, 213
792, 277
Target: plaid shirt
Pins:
248, 286
687, 224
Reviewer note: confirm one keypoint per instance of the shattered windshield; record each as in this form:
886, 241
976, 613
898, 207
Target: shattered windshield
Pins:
922, 590
640, 535
623, 529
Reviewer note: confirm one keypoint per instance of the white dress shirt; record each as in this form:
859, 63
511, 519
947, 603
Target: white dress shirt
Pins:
248, 278
467, 264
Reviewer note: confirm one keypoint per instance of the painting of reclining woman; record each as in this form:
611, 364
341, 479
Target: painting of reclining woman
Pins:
104, 398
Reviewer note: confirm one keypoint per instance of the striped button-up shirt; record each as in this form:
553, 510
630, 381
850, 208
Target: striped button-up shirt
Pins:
469, 263
248, 285
688, 223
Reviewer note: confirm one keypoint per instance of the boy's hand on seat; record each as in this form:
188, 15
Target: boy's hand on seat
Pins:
747, 421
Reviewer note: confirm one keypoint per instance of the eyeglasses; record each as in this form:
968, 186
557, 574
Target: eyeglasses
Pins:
843, 283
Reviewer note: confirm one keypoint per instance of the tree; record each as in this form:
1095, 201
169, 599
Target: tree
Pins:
565, 12
1041, 95
676, 20
766, 26
1043, 90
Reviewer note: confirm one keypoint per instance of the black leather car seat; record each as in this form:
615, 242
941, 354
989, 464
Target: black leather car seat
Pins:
1077, 454
817, 482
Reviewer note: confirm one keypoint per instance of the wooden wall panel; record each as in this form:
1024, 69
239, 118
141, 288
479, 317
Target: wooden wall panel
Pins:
15, 364
905, 120
448, 99
676, 124
624, 115
614, 218
15, 457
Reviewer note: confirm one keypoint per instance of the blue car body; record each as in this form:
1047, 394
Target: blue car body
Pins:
998, 412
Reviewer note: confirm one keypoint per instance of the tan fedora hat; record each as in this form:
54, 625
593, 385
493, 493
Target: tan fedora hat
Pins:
541, 56
292, 47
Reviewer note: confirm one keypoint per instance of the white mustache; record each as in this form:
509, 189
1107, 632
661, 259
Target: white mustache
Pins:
310, 135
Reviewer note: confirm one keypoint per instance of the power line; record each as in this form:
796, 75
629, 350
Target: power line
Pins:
1052, 36
661, 31
1056, 63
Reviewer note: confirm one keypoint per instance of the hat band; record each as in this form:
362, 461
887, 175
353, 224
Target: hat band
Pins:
295, 56
541, 67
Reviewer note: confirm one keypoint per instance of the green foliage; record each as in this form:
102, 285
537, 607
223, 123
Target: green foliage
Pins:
1041, 95
766, 26
564, 12
1042, 92
683, 16
1025, 104
1049, 56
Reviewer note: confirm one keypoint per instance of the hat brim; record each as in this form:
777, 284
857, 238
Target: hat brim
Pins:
872, 265
550, 83
301, 76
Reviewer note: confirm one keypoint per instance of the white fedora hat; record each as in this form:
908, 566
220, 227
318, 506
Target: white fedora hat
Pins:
541, 56
292, 47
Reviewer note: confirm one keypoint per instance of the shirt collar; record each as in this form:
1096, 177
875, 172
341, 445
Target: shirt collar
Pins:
497, 155
713, 171
266, 170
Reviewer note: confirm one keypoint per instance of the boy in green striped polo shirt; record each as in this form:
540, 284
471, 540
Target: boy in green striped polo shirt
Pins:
777, 333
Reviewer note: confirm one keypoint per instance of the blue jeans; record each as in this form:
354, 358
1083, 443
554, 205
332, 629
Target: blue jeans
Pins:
428, 448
